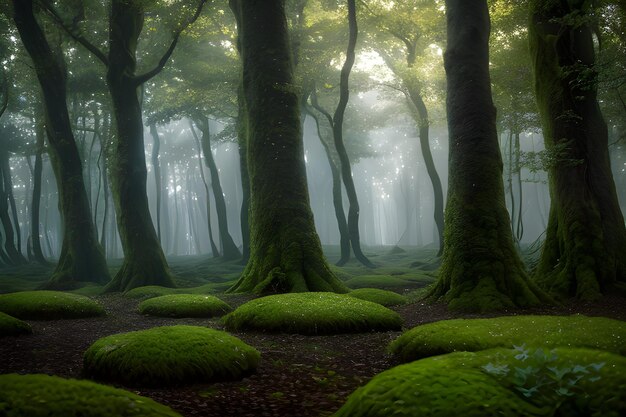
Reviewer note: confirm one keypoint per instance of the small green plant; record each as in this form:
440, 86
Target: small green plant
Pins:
538, 377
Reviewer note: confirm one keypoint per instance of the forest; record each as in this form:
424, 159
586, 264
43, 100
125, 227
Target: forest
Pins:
349, 208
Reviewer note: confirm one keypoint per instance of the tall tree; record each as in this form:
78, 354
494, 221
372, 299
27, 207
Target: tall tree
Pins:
285, 250
144, 261
481, 269
583, 254
82, 258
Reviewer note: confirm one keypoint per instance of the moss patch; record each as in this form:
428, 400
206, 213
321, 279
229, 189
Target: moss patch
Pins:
10, 326
380, 281
184, 305
478, 384
478, 334
169, 355
51, 396
49, 305
382, 297
312, 313
150, 291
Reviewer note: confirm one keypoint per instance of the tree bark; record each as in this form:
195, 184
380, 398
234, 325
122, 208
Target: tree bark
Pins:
285, 250
481, 269
35, 239
157, 175
229, 249
144, 261
583, 254
82, 258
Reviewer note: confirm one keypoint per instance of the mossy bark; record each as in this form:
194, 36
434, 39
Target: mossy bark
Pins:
583, 254
82, 258
285, 250
144, 261
481, 269
35, 240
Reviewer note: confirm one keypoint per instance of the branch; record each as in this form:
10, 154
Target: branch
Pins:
5, 93
47, 6
319, 108
140, 79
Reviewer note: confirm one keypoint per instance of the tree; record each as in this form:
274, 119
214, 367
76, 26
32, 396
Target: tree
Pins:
583, 254
144, 261
82, 258
286, 254
415, 29
481, 269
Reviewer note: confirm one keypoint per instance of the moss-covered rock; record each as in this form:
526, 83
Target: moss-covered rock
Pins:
51, 396
312, 313
497, 382
10, 326
477, 334
169, 355
378, 296
49, 305
184, 305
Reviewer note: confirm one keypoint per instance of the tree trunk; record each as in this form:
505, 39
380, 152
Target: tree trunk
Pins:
229, 249
144, 261
214, 251
583, 254
285, 250
346, 170
82, 258
35, 239
245, 183
481, 269
157, 175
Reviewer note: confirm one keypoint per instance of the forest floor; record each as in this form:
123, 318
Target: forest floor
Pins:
297, 376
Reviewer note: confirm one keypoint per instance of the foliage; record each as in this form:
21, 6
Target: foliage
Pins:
10, 326
169, 355
49, 305
50, 396
457, 384
478, 334
375, 295
184, 305
312, 313
539, 377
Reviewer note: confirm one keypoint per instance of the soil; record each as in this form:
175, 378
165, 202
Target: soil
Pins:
298, 375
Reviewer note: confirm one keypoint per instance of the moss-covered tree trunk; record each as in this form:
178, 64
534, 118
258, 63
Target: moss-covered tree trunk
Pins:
285, 251
585, 247
82, 258
35, 239
156, 166
481, 269
144, 262
229, 249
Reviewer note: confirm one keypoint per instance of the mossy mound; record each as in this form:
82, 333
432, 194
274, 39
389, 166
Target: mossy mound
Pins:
51, 396
497, 382
169, 355
312, 313
382, 297
477, 334
380, 281
184, 305
151, 291
49, 305
10, 326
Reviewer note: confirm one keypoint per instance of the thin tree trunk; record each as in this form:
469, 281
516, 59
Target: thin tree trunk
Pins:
245, 180
156, 166
36, 198
82, 258
215, 252
229, 249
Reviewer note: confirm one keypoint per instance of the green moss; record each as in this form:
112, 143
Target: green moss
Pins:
184, 305
382, 297
49, 305
478, 334
312, 313
380, 281
51, 396
10, 326
150, 291
169, 355
458, 384
89, 290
